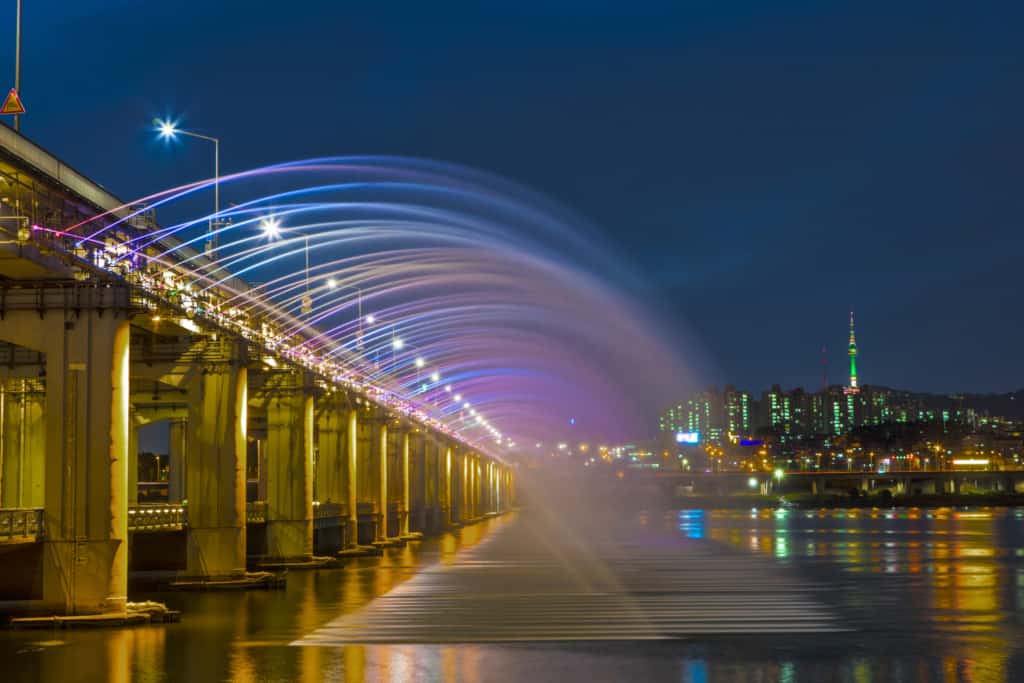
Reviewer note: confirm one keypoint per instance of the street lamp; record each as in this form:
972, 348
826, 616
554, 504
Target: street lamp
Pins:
168, 131
271, 228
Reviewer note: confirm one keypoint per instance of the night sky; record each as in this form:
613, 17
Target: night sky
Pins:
766, 166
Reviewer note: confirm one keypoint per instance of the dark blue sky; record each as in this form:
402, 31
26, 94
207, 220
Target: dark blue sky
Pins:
766, 165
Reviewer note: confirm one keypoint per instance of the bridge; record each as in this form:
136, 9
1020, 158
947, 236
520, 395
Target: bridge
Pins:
279, 456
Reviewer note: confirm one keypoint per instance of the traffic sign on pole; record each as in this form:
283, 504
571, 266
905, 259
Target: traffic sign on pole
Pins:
12, 105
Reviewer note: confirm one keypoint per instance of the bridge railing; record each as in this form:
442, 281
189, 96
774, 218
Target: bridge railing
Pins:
327, 514
21, 524
156, 517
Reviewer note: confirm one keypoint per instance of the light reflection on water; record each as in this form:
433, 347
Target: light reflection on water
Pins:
932, 595
940, 581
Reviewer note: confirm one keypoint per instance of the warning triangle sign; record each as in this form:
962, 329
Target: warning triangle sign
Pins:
12, 105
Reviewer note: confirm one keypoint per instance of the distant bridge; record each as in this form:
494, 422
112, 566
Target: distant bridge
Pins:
820, 481
94, 345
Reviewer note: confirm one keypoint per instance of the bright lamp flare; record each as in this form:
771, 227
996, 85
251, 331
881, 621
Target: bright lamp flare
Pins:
420, 362
167, 129
271, 227
398, 344
332, 283
435, 377
370, 319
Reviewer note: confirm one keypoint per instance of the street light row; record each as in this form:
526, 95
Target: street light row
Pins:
271, 228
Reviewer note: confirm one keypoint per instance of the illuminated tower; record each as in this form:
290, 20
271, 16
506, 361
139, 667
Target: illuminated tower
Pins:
853, 356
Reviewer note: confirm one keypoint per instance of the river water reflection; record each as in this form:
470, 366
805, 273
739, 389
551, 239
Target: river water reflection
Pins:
927, 595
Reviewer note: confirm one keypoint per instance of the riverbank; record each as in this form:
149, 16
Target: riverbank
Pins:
882, 499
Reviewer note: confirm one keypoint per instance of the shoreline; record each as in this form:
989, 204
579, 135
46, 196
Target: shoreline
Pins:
806, 501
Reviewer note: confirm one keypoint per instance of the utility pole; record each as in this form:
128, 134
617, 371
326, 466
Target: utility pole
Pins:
17, 64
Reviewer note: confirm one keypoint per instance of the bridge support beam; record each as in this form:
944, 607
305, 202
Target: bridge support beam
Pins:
133, 458
215, 476
22, 443
331, 456
352, 482
178, 435
84, 484
403, 505
446, 488
381, 456
290, 473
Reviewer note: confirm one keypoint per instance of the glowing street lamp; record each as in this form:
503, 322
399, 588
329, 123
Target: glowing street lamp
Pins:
435, 377
370, 319
420, 362
168, 130
271, 227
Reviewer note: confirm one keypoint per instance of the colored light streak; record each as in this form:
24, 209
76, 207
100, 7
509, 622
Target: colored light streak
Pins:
488, 281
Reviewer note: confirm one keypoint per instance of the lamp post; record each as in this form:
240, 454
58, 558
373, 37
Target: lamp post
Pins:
333, 284
271, 228
17, 64
169, 130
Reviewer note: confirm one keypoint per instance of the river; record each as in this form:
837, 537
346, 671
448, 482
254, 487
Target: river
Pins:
681, 595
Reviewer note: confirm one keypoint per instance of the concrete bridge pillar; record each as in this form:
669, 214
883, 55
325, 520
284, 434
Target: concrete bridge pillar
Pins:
332, 438
133, 457
403, 503
464, 513
446, 487
215, 476
178, 435
83, 432
423, 481
380, 455
478, 487
22, 443
352, 480
290, 472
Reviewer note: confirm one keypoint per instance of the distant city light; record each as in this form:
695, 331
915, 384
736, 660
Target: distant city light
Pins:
448, 388
435, 377
420, 362
397, 344
370, 319
688, 437
332, 283
752, 482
